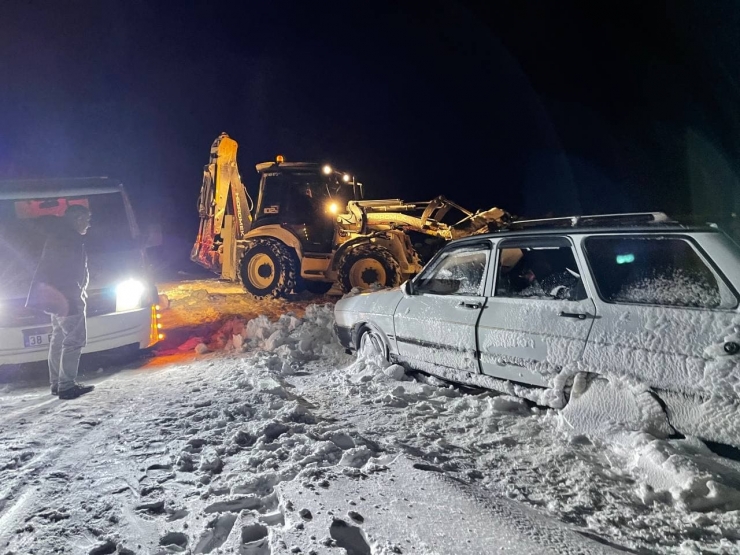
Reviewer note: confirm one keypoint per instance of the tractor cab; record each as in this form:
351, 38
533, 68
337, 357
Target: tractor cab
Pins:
304, 198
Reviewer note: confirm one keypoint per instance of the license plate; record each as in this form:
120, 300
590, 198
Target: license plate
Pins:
36, 337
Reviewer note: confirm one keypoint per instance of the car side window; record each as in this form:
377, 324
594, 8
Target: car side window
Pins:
539, 272
652, 270
456, 272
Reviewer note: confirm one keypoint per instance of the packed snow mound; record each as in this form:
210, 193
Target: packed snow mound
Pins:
684, 473
599, 407
289, 339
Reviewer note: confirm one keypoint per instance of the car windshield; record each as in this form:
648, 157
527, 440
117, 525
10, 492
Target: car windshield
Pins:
26, 223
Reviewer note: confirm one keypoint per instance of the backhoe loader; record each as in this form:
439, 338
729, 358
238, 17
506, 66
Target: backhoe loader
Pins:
311, 228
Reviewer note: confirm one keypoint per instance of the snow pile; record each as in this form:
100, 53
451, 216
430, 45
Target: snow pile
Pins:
285, 343
288, 344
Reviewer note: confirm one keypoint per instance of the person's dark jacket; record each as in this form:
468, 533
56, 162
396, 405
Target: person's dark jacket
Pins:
63, 266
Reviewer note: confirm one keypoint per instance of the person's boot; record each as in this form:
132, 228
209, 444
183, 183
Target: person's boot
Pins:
55, 390
75, 391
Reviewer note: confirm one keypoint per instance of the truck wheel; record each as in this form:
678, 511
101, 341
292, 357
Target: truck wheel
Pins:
367, 265
268, 269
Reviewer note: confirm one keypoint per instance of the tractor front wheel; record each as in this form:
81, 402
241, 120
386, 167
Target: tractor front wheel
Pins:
366, 265
268, 268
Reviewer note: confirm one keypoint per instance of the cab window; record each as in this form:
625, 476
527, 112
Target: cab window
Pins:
456, 272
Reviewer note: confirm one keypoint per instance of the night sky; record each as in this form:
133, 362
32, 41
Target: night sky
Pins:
537, 107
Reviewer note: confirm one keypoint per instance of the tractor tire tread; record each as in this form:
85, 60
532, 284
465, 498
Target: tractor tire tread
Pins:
287, 260
379, 253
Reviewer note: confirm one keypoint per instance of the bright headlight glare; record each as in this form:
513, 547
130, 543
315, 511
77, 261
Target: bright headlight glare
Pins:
333, 208
129, 295
327, 169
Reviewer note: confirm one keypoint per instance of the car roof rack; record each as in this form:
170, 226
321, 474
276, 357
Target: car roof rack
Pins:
600, 220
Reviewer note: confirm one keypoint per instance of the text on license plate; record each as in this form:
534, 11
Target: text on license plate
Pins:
37, 336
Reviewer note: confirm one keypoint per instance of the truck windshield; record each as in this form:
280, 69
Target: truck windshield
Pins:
25, 224
296, 194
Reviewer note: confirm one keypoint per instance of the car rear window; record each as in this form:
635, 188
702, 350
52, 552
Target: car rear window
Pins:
652, 270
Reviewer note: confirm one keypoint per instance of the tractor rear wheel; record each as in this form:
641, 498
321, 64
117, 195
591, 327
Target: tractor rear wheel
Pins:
366, 265
268, 268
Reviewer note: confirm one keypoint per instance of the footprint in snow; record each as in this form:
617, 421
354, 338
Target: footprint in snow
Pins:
216, 534
249, 502
177, 539
160, 472
351, 538
255, 540
195, 444
105, 548
427, 467
152, 508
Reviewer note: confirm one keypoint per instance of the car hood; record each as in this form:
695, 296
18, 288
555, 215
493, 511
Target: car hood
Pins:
384, 301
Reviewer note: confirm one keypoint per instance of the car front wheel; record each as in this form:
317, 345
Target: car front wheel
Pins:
371, 346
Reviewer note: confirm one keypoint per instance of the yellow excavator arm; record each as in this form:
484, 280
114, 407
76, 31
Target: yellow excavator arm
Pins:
222, 193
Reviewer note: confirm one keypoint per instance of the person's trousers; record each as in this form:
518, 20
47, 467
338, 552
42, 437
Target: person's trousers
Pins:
68, 337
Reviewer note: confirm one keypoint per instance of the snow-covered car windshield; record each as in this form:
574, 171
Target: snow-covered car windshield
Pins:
458, 272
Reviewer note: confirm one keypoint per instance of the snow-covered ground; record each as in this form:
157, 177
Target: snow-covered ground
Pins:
261, 436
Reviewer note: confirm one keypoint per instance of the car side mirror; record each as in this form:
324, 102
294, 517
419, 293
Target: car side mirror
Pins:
408, 288
153, 236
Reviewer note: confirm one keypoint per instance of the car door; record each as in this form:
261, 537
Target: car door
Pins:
435, 324
538, 315
664, 309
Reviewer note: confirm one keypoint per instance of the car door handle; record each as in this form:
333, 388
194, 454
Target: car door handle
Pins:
473, 306
577, 315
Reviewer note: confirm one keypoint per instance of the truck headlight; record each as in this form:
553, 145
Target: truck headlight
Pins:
129, 295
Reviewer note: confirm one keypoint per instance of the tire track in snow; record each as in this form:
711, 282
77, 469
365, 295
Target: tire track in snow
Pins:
50, 431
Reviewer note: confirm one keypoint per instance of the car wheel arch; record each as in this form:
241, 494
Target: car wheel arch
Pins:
361, 328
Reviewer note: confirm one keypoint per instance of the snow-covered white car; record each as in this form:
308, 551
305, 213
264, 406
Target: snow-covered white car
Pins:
552, 309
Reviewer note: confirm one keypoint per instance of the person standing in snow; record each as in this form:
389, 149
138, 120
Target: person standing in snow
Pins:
59, 288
